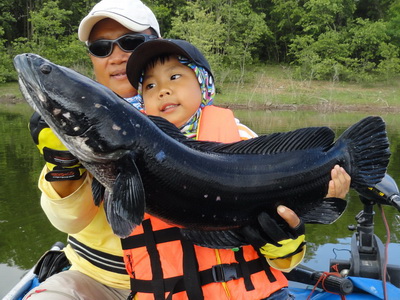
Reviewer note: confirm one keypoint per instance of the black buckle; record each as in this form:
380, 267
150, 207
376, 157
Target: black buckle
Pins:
224, 272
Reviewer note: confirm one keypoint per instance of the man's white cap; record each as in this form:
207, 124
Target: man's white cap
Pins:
132, 14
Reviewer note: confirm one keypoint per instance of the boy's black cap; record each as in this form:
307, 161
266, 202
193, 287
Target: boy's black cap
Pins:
154, 48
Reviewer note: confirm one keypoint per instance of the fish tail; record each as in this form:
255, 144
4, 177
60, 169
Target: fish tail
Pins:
369, 151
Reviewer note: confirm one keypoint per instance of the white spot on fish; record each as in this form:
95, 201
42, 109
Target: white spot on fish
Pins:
76, 128
203, 215
56, 111
184, 187
205, 196
160, 156
234, 219
137, 125
214, 216
218, 198
42, 98
67, 115
116, 127
97, 105
83, 97
124, 133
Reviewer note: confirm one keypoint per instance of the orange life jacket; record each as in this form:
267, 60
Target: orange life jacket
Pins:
156, 255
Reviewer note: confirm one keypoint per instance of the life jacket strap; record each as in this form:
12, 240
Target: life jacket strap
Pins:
160, 236
193, 279
218, 273
157, 282
244, 268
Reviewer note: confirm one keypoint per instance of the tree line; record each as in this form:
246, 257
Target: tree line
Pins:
354, 40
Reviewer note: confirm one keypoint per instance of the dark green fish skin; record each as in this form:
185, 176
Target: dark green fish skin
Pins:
145, 164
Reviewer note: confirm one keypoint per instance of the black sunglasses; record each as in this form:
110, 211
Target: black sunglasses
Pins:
127, 43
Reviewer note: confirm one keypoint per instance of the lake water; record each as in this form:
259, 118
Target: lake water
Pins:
25, 232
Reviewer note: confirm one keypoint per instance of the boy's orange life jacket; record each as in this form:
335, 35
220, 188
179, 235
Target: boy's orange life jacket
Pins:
156, 255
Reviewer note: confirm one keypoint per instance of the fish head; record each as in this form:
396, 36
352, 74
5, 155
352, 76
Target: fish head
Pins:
50, 90
87, 116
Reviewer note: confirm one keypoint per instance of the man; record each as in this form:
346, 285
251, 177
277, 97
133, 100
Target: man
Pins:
111, 30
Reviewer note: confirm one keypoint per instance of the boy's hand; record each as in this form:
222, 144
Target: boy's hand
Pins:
60, 162
339, 185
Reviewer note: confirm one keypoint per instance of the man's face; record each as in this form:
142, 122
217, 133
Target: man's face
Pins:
111, 70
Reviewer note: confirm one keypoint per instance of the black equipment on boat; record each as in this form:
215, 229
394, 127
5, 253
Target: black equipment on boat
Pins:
367, 250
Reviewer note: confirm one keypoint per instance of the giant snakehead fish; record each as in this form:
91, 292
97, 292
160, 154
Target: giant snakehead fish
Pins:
145, 164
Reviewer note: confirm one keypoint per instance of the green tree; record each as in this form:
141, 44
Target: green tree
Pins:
6, 67
324, 15
228, 32
165, 11
393, 22
372, 9
49, 39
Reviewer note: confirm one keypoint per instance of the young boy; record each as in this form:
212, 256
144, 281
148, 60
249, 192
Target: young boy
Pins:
174, 81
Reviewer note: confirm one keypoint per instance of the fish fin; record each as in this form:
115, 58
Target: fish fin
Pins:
325, 211
167, 127
280, 142
128, 192
98, 191
369, 151
304, 138
127, 202
121, 227
216, 239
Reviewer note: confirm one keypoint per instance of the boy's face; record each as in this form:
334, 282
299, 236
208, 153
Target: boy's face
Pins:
111, 70
171, 90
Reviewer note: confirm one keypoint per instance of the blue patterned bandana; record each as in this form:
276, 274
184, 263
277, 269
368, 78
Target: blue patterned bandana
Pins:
207, 87
136, 101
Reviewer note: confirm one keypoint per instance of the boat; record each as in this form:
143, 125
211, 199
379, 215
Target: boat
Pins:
31, 278
365, 276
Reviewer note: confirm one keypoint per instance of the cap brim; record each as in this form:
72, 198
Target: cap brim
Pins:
145, 52
88, 23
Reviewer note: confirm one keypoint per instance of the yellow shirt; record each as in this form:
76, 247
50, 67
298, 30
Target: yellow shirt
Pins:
81, 219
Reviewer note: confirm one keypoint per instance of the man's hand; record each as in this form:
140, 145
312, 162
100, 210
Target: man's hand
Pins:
290, 245
274, 240
61, 163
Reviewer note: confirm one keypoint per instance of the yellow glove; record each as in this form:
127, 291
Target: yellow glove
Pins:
61, 163
288, 256
275, 240
288, 248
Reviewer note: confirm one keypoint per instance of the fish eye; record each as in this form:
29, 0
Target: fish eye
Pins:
45, 68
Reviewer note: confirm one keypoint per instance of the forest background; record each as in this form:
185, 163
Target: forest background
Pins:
353, 41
